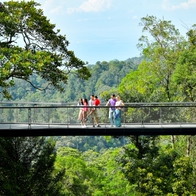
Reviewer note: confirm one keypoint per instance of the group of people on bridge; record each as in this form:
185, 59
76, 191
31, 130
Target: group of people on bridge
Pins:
115, 104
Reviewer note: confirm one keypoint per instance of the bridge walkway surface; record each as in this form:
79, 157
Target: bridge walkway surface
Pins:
105, 129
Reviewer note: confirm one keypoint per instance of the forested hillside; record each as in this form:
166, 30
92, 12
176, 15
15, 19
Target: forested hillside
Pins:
95, 143
105, 76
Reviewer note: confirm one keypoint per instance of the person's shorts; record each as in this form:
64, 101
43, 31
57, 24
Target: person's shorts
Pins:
94, 113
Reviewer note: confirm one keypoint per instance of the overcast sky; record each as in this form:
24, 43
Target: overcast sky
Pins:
104, 30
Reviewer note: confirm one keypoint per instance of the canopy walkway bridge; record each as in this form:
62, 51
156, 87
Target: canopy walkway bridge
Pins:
61, 119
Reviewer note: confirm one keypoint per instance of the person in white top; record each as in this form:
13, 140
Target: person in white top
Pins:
118, 111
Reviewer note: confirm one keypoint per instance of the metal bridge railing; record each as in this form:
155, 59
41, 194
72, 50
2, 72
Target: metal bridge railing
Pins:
67, 113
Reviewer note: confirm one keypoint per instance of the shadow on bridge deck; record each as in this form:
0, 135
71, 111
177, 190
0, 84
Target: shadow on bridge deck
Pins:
14, 130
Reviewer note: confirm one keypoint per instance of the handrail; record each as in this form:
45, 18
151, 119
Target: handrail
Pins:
142, 104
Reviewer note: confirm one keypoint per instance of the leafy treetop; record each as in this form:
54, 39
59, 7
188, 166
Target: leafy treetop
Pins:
29, 44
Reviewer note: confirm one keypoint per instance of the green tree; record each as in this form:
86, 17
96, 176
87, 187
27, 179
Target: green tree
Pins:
31, 45
186, 82
161, 49
77, 178
108, 177
155, 168
183, 183
27, 166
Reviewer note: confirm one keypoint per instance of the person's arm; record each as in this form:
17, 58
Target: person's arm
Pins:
108, 103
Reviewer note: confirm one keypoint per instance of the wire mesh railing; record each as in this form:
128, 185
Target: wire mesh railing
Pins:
67, 113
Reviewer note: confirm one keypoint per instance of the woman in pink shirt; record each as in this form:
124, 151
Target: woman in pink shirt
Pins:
80, 115
85, 111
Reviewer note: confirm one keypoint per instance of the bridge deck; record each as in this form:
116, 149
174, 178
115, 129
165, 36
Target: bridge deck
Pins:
105, 129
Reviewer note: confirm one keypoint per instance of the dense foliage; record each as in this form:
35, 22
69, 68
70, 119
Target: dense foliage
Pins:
26, 167
95, 143
29, 44
105, 76
167, 73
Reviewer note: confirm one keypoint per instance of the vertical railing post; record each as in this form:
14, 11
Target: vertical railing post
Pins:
34, 113
29, 117
68, 116
160, 113
142, 115
49, 111
17, 116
